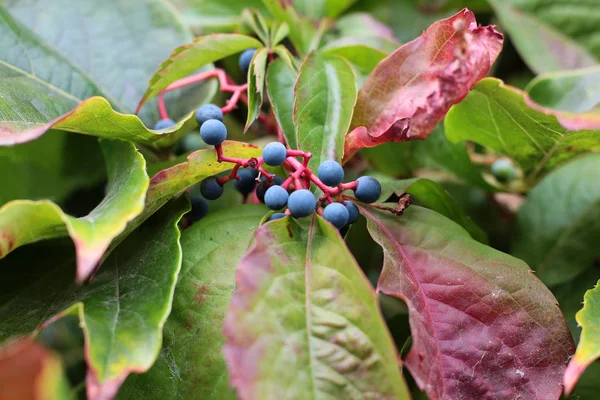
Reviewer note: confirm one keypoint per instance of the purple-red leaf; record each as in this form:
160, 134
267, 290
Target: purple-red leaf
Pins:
411, 90
483, 326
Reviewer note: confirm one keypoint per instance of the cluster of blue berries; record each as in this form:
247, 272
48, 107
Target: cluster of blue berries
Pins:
275, 192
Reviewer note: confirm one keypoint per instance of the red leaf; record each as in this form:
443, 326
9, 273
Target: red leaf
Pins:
29, 371
483, 326
411, 90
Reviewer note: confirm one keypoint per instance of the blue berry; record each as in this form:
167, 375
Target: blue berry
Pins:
262, 187
276, 216
368, 189
247, 181
198, 211
352, 212
330, 173
211, 189
302, 203
276, 197
337, 214
208, 111
213, 132
246, 59
504, 170
274, 154
164, 123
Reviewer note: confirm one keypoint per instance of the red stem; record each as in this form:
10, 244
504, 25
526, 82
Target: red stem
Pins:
162, 108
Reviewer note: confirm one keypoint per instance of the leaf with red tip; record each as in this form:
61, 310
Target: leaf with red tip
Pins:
572, 96
29, 371
496, 115
588, 349
321, 334
483, 326
133, 290
25, 221
411, 90
188, 58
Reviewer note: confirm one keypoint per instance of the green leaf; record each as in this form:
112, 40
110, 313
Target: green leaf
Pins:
575, 91
543, 47
302, 31
588, 349
191, 364
133, 291
579, 19
281, 79
432, 195
495, 115
321, 334
93, 116
24, 221
51, 167
201, 164
256, 85
58, 74
466, 300
188, 58
572, 96
358, 52
257, 23
325, 97
29, 371
215, 16
317, 9
558, 226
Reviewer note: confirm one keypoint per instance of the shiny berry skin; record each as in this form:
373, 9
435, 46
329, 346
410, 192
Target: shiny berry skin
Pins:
164, 123
330, 173
262, 187
276, 197
246, 59
504, 170
368, 189
274, 154
210, 189
352, 212
302, 203
247, 181
213, 132
276, 216
208, 111
337, 214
